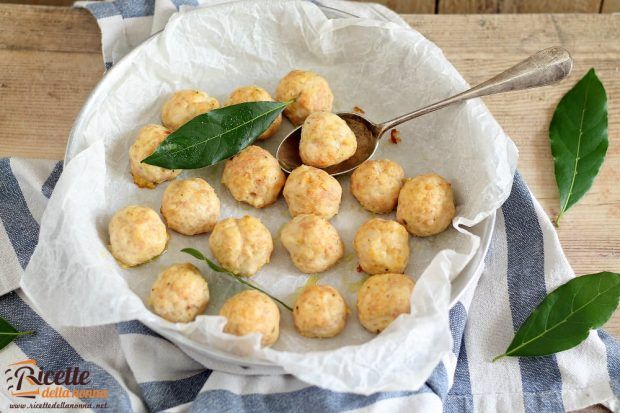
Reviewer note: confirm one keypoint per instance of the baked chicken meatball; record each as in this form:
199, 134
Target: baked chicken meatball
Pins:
137, 235
255, 94
180, 293
254, 176
326, 140
382, 298
241, 245
382, 246
376, 185
309, 190
320, 311
310, 91
145, 175
425, 205
184, 106
312, 242
250, 312
190, 206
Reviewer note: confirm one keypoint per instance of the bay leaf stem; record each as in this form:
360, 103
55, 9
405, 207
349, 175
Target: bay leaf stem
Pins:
200, 256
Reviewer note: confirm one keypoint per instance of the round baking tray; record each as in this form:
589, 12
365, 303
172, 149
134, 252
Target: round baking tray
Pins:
217, 359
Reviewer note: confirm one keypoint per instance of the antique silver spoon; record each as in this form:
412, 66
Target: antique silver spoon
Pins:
542, 68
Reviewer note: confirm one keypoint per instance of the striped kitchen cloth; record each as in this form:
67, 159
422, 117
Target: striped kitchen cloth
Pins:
144, 372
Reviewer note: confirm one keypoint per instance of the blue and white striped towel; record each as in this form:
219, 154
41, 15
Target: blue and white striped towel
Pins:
144, 372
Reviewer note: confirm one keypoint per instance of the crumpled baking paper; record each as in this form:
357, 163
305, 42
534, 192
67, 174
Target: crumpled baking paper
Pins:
381, 67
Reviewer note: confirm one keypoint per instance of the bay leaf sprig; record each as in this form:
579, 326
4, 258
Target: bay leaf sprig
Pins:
578, 135
8, 333
566, 316
200, 256
216, 135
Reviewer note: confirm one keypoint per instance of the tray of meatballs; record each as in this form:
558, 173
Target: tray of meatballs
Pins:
344, 281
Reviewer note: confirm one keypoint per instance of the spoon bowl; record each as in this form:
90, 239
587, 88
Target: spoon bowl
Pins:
543, 68
366, 133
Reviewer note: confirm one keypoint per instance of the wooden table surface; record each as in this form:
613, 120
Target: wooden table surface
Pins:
50, 60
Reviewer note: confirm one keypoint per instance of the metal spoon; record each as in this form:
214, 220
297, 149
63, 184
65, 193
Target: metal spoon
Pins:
542, 68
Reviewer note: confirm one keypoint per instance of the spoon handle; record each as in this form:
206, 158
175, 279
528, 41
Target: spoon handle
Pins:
542, 68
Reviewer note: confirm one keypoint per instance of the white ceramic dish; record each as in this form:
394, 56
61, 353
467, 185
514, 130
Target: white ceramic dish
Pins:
203, 353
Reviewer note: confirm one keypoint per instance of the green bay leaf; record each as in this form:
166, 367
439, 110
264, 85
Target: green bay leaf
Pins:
8, 333
578, 135
566, 316
216, 135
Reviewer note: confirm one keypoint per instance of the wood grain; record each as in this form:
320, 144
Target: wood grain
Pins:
63, 3
408, 6
50, 60
611, 6
453, 6
518, 6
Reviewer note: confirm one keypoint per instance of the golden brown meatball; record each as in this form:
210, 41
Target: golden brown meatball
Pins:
241, 245
312, 242
255, 94
184, 106
320, 311
254, 176
250, 312
425, 205
310, 91
309, 190
382, 246
145, 175
137, 235
326, 140
382, 298
376, 185
190, 206
180, 293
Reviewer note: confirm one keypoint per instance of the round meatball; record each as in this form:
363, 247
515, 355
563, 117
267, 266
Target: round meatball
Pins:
320, 311
312, 242
180, 293
190, 206
376, 185
382, 246
241, 245
310, 91
382, 298
425, 205
250, 312
184, 106
137, 235
255, 94
145, 175
326, 140
309, 190
254, 176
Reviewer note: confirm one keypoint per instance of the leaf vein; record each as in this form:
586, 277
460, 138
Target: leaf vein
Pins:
525, 343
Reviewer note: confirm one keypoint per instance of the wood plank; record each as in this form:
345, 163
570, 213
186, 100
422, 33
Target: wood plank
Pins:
50, 60
611, 6
518, 6
62, 3
48, 29
40, 96
468, 6
407, 6
550, 6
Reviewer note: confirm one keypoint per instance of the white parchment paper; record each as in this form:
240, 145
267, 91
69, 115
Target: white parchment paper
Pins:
383, 68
